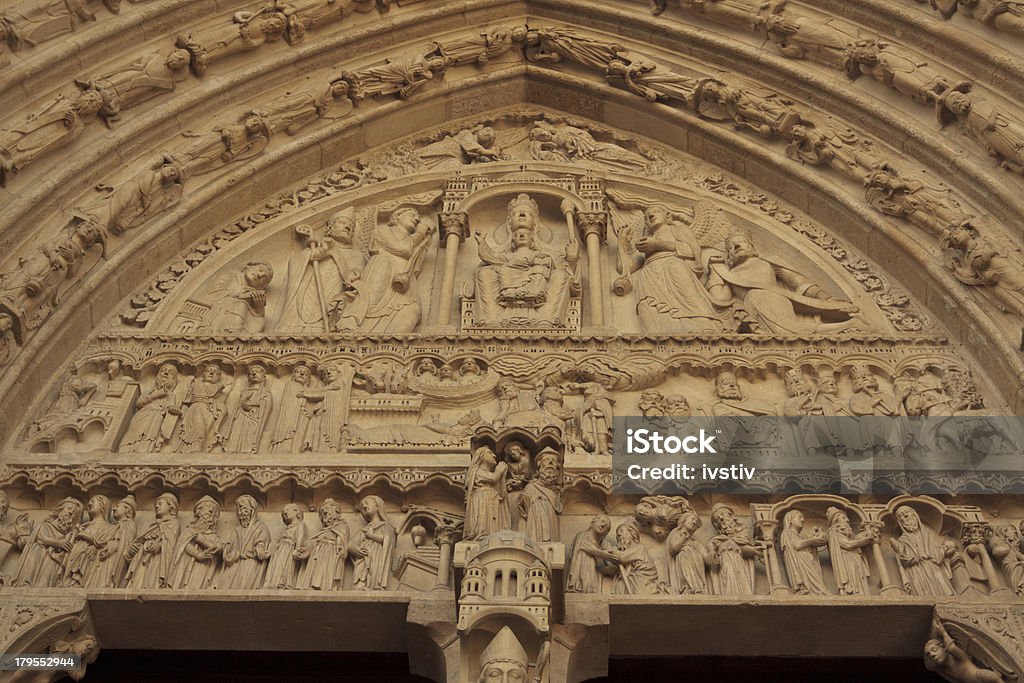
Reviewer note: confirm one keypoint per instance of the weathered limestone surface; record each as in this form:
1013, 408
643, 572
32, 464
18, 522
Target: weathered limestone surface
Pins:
320, 313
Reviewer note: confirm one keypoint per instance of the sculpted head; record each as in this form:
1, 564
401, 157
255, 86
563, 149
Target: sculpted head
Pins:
212, 374
486, 457
627, 535
273, 23
522, 238
169, 173
689, 521
89, 102
518, 34
371, 507
863, 379
601, 525
794, 519
908, 518
523, 213
258, 274
515, 451
245, 509
207, 512
738, 248
406, 218
485, 136
301, 374
1010, 533
655, 216
69, 513
837, 518
470, 367
257, 375
167, 376
330, 512
99, 507
504, 660
177, 59
723, 519
795, 383
957, 102
934, 654
125, 508
651, 403
254, 125
827, 384
88, 233
727, 386
291, 513
677, 405
165, 505
6, 323
341, 226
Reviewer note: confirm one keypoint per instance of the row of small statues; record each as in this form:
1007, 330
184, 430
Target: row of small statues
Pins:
205, 413
929, 563
107, 551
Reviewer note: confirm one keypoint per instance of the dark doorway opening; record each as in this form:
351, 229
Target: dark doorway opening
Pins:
765, 670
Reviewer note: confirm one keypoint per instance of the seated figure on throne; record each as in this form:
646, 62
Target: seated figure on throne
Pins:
525, 285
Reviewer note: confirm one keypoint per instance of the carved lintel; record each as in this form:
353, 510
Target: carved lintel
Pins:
453, 223
42, 624
592, 222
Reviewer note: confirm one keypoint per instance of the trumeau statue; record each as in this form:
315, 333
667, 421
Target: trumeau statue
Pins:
47, 548
328, 550
384, 298
778, 299
246, 550
372, 547
504, 660
525, 282
287, 551
321, 276
924, 556
588, 557
800, 551
151, 555
158, 411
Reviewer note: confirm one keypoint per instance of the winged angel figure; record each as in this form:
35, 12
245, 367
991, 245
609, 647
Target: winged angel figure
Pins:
953, 656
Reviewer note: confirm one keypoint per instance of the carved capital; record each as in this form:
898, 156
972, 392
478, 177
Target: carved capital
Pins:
592, 222
453, 223
447, 535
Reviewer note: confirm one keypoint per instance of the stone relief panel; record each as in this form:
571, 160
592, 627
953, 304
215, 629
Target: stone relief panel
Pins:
148, 394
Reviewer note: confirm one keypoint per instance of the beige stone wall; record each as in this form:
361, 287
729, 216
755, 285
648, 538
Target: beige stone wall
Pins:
323, 253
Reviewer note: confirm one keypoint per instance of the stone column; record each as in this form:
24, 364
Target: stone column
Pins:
454, 227
888, 587
766, 529
593, 227
445, 538
974, 536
